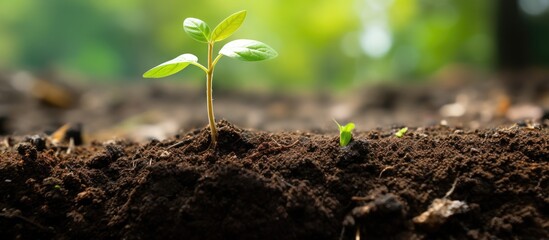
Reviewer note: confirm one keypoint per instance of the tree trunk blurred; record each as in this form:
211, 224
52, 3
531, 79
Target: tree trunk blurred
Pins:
511, 37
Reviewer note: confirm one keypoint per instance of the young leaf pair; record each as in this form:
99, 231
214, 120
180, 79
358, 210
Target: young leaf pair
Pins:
242, 49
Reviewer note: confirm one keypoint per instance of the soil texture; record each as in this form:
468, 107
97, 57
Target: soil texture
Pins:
436, 182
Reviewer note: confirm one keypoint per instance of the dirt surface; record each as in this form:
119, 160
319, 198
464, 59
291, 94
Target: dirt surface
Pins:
144, 110
286, 185
474, 163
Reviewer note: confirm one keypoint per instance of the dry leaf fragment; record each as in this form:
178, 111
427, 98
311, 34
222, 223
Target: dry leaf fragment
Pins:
439, 211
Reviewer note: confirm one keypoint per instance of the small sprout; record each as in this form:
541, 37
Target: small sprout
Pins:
345, 134
401, 132
57, 187
241, 49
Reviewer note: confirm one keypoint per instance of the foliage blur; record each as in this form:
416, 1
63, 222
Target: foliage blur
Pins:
323, 44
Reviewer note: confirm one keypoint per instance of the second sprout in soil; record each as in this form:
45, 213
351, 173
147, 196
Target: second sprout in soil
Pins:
401, 132
241, 49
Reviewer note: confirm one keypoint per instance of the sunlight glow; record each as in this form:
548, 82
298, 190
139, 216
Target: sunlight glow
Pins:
534, 7
376, 39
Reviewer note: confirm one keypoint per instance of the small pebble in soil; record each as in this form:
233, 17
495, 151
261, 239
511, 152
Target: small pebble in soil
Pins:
112, 153
27, 151
355, 152
37, 141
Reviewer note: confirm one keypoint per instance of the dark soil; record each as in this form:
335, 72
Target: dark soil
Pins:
284, 185
473, 156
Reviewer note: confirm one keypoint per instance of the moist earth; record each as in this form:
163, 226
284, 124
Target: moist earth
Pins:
253, 184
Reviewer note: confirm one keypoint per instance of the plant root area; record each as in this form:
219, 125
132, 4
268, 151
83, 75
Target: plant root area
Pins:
437, 182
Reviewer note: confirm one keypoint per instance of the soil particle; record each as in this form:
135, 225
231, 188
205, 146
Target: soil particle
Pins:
287, 185
27, 151
111, 153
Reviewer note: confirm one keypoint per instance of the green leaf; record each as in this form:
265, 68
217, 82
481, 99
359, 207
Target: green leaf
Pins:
171, 67
197, 29
345, 138
348, 128
401, 132
228, 26
345, 134
248, 50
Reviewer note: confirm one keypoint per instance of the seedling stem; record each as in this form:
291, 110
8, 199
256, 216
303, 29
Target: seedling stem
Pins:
209, 97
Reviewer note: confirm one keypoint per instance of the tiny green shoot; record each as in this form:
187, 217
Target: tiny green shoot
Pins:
401, 132
345, 134
241, 49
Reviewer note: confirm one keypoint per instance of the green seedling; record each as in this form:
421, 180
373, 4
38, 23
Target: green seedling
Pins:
345, 134
401, 132
241, 49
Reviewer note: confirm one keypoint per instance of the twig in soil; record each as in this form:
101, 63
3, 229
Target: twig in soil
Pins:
71, 146
440, 210
179, 144
7, 142
286, 146
385, 169
134, 164
286, 182
452, 188
356, 198
485, 138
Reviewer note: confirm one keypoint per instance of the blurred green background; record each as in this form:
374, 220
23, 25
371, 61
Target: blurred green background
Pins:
323, 44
